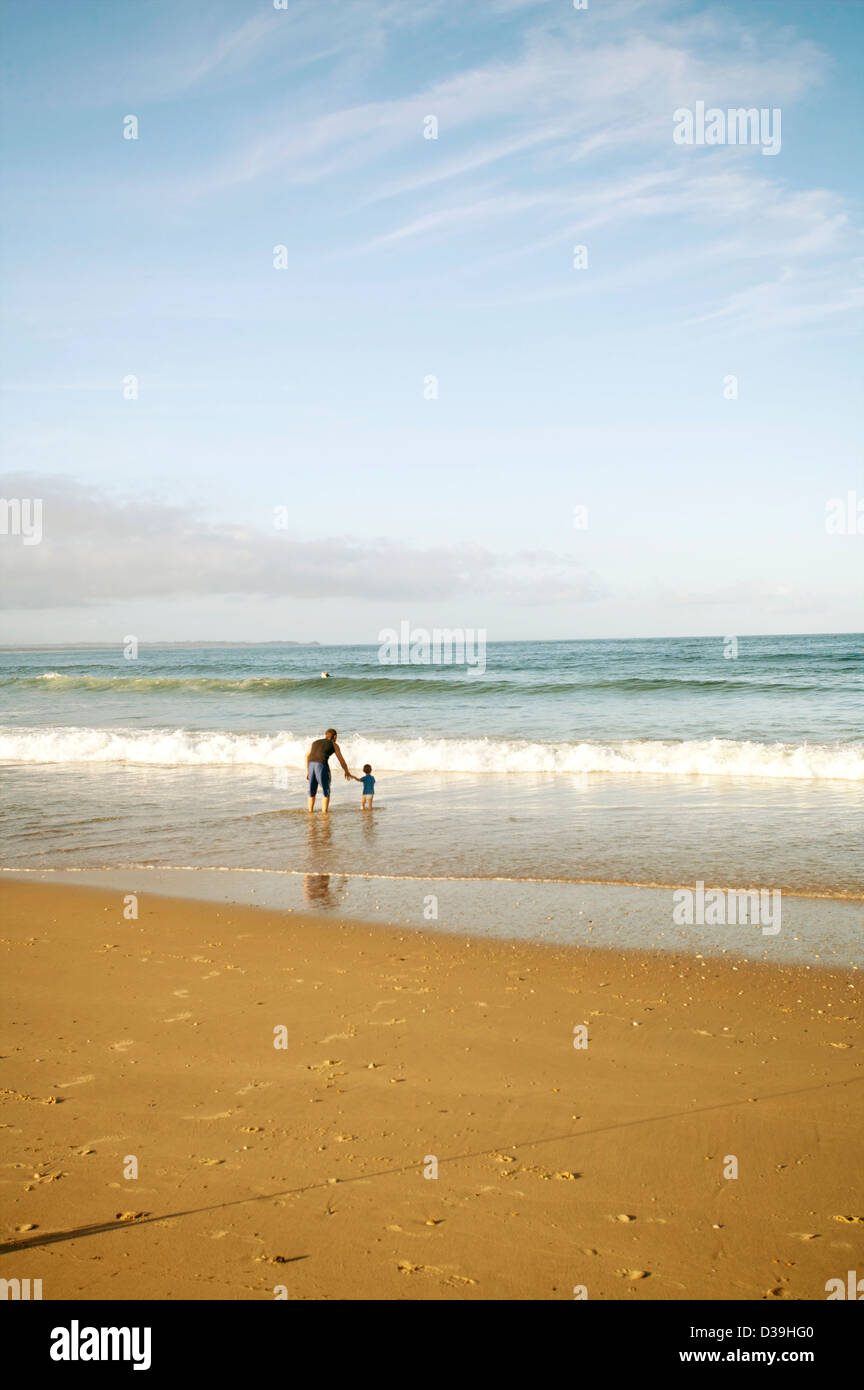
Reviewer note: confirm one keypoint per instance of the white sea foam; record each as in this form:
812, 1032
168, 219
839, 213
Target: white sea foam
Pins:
187, 748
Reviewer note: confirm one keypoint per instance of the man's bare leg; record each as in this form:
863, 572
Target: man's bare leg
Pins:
311, 805
325, 805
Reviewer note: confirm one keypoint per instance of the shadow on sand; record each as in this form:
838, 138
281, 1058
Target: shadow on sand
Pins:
81, 1232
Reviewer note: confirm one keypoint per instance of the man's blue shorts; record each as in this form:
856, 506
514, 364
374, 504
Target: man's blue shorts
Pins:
319, 776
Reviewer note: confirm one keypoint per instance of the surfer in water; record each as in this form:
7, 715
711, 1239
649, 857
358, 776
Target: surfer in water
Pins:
318, 768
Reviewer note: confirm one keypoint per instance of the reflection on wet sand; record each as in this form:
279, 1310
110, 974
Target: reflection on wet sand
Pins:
319, 837
316, 889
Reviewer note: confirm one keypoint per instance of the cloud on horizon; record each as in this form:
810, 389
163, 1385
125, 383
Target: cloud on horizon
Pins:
98, 548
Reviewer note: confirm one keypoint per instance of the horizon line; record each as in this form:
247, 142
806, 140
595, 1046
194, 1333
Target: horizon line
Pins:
314, 642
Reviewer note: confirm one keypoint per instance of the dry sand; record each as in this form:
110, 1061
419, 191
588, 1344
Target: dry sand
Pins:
303, 1166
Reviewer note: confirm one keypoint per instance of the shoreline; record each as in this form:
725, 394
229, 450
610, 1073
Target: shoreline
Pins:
673, 885
598, 1166
820, 932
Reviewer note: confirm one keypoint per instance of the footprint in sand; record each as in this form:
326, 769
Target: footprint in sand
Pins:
37, 1100
122, 1045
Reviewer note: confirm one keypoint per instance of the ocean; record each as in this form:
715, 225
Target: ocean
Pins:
656, 762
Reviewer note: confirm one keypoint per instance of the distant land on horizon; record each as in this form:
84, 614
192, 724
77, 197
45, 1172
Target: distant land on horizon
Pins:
113, 646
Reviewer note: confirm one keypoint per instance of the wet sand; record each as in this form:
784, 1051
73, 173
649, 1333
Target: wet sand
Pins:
299, 1169
625, 917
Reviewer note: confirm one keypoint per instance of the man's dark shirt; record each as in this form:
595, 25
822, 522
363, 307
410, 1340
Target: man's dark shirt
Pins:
322, 750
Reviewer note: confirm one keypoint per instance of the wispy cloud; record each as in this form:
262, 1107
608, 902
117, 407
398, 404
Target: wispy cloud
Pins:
477, 158
794, 298
568, 86
542, 129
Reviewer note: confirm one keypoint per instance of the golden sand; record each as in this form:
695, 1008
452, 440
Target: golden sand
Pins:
301, 1170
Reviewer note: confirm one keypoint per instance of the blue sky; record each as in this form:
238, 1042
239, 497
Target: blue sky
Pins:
303, 388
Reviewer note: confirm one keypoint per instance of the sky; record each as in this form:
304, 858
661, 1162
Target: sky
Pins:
315, 354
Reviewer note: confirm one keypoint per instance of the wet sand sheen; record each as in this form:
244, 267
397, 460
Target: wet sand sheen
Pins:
302, 1166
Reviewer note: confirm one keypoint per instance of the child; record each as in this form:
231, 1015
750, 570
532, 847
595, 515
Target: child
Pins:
368, 787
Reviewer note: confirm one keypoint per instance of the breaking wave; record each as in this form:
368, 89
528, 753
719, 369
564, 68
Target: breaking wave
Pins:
661, 757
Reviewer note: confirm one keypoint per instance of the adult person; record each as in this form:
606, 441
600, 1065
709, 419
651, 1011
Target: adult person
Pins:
318, 768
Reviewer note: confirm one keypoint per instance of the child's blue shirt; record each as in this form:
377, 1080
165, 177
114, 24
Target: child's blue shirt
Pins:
368, 785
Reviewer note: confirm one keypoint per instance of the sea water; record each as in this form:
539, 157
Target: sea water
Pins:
633, 762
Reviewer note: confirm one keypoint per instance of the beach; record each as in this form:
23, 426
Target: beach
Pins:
600, 1170
493, 1039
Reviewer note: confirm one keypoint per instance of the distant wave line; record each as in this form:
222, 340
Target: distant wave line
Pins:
419, 683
